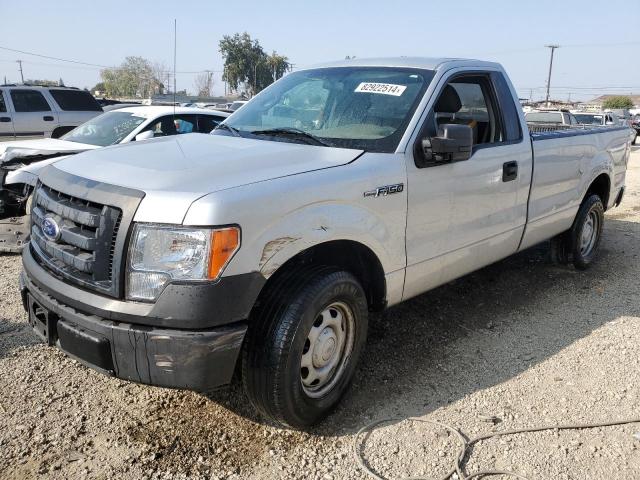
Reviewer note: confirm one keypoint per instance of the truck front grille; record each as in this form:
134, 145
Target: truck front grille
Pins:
83, 247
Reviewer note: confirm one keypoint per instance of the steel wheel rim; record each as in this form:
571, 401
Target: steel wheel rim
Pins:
327, 349
589, 235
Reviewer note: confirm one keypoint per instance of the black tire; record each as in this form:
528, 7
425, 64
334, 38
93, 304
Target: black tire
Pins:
277, 337
593, 208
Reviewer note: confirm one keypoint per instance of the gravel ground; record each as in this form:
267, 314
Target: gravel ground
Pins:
520, 343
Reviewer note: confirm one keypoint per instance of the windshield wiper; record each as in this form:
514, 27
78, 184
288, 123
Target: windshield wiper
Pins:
233, 130
292, 132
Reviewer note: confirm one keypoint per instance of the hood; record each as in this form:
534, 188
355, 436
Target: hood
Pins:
175, 171
44, 147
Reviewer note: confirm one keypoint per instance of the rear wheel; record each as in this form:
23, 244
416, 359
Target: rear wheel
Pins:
579, 245
303, 344
586, 232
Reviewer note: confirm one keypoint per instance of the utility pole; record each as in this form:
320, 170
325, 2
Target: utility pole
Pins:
553, 48
19, 62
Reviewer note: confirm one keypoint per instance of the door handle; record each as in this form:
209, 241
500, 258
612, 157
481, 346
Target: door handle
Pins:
509, 171
5, 119
48, 118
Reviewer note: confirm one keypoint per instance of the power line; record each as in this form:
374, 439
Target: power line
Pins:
96, 65
53, 58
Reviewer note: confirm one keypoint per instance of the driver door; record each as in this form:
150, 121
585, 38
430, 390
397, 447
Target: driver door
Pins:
467, 214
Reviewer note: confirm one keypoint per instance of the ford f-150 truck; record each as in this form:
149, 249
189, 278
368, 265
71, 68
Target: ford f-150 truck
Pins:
262, 248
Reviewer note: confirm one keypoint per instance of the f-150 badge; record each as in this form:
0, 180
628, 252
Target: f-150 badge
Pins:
385, 190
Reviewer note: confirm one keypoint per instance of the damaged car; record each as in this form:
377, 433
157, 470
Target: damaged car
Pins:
20, 161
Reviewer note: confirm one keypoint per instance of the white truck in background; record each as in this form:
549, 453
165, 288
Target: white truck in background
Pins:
339, 190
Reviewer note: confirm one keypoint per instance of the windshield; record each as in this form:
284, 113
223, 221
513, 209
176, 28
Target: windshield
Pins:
589, 119
106, 129
364, 108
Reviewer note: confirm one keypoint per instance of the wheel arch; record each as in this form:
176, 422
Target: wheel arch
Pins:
601, 186
349, 255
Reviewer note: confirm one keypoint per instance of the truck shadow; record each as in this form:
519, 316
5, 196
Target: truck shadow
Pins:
480, 331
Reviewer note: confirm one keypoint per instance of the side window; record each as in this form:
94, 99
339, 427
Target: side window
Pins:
469, 100
572, 119
185, 123
75, 100
162, 127
172, 125
206, 123
3, 106
29, 101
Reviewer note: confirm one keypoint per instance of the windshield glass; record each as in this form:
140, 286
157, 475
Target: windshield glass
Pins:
589, 119
106, 129
366, 108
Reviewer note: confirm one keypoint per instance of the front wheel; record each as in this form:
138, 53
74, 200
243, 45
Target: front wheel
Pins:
303, 344
586, 232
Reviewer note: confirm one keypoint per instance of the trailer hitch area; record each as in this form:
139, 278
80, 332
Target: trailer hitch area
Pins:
14, 233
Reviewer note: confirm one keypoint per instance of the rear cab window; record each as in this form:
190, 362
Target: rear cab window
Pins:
29, 101
544, 117
75, 100
3, 105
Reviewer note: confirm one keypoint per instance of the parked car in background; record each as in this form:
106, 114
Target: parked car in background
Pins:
337, 191
118, 106
596, 118
21, 161
236, 105
623, 114
551, 117
28, 111
635, 124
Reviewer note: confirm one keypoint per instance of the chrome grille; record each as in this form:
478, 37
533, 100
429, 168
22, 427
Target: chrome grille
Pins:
84, 249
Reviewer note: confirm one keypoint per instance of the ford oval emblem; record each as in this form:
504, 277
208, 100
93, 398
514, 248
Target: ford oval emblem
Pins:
51, 229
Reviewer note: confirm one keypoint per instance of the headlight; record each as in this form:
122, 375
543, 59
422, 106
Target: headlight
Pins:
161, 254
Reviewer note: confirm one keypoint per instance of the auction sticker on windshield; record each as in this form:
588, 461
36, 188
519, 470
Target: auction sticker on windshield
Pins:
382, 88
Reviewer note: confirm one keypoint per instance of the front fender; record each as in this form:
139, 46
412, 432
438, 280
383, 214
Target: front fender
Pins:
325, 222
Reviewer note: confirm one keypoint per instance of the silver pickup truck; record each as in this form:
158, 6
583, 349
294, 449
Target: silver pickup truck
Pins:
262, 248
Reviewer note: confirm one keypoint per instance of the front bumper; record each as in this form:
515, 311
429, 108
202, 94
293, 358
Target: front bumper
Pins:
199, 359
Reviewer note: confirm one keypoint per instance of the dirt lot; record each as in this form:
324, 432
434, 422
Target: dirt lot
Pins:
524, 341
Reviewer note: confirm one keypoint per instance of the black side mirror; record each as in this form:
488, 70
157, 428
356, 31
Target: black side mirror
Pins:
453, 144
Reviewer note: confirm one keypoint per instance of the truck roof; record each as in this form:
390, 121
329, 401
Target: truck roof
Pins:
425, 63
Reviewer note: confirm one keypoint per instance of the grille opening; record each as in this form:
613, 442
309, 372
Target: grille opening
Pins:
83, 248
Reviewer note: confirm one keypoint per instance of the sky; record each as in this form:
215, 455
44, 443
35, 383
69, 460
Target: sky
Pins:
599, 43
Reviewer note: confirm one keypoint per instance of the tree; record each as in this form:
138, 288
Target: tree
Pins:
42, 83
134, 78
246, 63
278, 65
617, 101
204, 84
99, 87
161, 73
